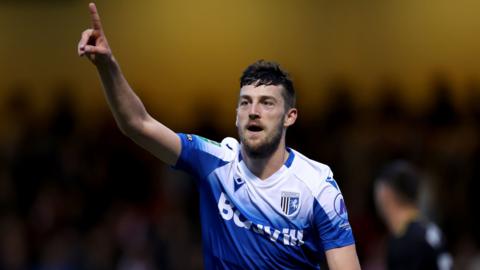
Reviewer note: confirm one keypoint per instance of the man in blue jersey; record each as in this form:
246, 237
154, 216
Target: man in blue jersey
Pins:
262, 205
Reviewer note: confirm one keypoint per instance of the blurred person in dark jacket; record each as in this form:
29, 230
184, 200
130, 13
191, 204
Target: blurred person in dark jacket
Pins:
415, 242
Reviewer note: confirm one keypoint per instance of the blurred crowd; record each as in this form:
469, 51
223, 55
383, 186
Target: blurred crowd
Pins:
80, 195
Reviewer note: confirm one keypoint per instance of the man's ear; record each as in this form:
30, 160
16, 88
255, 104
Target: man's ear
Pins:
290, 117
236, 118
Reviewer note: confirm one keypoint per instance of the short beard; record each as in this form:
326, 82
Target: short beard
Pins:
265, 149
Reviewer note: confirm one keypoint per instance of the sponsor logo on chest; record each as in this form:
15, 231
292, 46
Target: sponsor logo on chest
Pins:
286, 236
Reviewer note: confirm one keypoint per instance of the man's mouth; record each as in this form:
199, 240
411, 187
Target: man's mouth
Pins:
254, 128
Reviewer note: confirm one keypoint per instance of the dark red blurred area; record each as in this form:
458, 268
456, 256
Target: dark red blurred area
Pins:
80, 195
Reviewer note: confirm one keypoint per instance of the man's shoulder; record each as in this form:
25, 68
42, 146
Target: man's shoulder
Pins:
429, 232
225, 150
312, 173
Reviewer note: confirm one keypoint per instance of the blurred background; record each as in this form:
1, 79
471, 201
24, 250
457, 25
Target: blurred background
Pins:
376, 81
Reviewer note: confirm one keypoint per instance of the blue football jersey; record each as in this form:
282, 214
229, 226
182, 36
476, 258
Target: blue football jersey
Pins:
286, 221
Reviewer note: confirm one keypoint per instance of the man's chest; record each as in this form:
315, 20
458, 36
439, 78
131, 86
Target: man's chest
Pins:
280, 201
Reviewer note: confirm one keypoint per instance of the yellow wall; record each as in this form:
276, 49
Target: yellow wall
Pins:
177, 53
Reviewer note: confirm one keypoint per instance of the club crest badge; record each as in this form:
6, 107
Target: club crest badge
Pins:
290, 202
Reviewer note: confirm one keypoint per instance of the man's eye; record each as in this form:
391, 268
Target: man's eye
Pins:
243, 103
268, 103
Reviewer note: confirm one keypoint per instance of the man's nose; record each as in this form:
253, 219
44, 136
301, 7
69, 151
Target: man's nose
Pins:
254, 111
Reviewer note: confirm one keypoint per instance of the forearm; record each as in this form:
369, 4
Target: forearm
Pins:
127, 108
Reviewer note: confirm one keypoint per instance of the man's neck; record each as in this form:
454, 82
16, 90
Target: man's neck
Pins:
266, 167
403, 216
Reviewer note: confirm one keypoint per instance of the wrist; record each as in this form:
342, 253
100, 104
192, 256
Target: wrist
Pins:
105, 63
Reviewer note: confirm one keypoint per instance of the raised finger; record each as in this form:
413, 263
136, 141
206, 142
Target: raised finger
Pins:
96, 23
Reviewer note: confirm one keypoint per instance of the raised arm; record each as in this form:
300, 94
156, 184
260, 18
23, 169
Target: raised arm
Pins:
128, 110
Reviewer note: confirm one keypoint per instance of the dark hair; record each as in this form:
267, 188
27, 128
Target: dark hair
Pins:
269, 73
403, 178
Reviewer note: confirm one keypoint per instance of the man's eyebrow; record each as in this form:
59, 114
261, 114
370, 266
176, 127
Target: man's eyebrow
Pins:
260, 97
268, 97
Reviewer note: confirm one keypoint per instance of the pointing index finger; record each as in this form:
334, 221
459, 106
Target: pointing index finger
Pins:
96, 24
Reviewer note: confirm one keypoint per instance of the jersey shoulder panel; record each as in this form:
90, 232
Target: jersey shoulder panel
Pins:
231, 147
329, 213
200, 156
313, 174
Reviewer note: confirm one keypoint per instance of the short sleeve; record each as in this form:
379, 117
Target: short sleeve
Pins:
199, 156
331, 217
